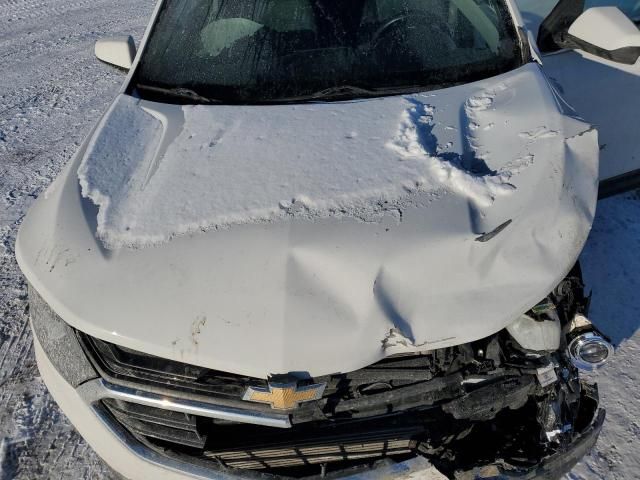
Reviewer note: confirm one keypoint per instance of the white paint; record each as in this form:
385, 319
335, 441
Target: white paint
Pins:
607, 28
603, 93
278, 294
118, 51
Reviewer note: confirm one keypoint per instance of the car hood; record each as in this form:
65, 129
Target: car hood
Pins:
472, 204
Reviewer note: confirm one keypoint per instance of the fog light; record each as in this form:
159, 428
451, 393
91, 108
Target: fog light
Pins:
589, 351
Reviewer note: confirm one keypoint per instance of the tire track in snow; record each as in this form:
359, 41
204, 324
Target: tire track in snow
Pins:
28, 9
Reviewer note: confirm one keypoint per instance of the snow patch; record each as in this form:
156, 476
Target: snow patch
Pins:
395, 338
109, 172
230, 165
156, 175
474, 109
415, 139
516, 166
538, 133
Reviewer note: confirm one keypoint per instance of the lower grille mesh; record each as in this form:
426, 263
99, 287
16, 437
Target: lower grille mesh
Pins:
253, 447
295, 457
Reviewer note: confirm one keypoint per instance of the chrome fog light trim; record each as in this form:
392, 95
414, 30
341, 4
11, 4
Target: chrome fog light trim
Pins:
589, 351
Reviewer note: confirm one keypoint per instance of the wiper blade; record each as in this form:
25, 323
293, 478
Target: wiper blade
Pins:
179, 92
352, 91
343, 91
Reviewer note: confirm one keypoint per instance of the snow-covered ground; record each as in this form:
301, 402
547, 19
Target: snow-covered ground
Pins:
52, 91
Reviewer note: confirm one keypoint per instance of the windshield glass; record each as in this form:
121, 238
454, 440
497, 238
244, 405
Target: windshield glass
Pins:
253, 51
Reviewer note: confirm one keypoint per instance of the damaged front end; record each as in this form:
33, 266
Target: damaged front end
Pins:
493, 408
529, 414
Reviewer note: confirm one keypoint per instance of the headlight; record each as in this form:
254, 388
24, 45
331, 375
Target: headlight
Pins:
59, 342
589, 351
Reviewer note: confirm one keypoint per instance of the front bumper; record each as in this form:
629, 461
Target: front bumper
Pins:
552, 467
134, 460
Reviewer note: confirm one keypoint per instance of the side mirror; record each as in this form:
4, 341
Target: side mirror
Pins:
605, 32
117, 51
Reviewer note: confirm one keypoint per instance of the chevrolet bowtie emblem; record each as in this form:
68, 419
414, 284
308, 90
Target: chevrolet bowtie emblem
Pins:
284, 396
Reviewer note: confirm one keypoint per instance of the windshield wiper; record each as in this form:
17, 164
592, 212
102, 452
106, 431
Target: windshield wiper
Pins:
342, 91
179, 92
349, 92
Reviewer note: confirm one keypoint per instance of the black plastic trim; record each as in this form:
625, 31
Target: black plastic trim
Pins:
620, 184
555, 27
558, 465
626, 55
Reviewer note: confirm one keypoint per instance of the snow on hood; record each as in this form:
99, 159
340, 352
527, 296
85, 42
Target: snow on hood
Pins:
419, 222
158, 170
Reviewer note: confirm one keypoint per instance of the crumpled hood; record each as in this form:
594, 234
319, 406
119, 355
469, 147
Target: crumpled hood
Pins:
316, 238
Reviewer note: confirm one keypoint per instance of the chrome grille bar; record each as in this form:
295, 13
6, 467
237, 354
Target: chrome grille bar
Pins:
99, 389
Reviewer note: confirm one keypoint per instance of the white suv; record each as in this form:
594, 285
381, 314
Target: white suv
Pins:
318, 238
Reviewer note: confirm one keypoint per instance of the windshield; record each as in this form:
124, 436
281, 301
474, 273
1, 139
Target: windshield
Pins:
254, 51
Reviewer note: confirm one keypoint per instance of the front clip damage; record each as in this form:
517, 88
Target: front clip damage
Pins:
485, 409
552, 467
519, 413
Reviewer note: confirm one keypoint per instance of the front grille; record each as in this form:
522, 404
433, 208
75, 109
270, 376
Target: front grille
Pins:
395, 383
374, 413
119, 363
296, 457
315, 443
252, 447
156, 423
